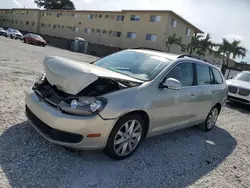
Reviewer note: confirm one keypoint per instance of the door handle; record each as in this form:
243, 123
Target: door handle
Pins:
193, 95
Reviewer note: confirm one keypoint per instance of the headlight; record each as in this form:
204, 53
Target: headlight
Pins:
85, 106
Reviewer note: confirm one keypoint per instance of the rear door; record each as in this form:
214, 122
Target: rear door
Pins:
203, 93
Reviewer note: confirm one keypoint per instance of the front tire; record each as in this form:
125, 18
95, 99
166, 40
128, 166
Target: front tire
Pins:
125, 137
211, 119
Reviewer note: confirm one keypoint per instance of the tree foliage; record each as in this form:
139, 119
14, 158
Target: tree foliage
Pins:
200, 45
55, 4
231, 49
173, 39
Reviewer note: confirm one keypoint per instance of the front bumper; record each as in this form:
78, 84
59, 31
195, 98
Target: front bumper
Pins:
18, 37
64, 129
238, 98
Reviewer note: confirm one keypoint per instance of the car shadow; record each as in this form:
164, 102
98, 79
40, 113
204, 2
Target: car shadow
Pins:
175, 159
243, 108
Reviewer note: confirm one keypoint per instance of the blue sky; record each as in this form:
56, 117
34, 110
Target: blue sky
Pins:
222, 18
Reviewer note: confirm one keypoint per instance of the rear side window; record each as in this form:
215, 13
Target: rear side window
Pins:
203, 75
183, 73
217, 76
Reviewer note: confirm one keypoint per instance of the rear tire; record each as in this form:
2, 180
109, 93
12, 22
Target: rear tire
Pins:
11, 36
125, 137
211, 119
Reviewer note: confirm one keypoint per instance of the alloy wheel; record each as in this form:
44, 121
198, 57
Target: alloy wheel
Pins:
212, 118
128, 137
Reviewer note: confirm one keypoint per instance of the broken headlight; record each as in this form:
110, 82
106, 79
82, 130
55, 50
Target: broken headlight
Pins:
85, 106
39, 81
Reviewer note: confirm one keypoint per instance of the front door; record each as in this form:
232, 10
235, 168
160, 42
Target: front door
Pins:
173, 109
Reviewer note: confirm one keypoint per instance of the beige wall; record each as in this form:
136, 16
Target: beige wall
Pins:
25, 20
142, 28
44, 24
179, 30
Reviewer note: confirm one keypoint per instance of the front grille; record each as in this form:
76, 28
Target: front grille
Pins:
232, 89
238, 99
243, 92
54, 134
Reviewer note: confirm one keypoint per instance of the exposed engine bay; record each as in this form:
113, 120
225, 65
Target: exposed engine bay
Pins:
100, 87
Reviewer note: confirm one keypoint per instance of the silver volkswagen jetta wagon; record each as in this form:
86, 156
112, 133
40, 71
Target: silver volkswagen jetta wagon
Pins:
117, 101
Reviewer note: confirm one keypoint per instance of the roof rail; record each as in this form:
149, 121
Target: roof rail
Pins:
192, 56
144, 48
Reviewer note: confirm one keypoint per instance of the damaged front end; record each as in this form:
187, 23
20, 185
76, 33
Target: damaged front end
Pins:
77, 88
87, 102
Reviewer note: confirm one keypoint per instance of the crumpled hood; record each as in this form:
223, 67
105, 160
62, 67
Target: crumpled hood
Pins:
72, 76
238, 83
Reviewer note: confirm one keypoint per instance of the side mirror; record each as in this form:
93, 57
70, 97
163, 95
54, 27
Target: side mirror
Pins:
171, 83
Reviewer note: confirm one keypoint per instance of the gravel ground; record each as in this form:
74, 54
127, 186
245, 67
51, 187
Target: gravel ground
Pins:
185, 158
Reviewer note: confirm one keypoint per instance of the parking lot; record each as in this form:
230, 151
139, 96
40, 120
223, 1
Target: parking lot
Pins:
189, 157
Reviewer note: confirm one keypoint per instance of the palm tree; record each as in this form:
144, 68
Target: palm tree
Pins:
194, 44
205, 45
231, 49
173, 40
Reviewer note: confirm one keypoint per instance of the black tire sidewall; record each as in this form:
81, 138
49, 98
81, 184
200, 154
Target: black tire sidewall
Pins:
109, 149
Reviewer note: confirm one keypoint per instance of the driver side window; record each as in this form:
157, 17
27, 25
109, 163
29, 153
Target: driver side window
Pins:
184, 73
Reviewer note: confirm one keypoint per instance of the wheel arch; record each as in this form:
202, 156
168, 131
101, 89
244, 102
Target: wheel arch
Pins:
144, 115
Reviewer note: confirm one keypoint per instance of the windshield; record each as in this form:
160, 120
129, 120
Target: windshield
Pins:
244, 76
15, 31
1, 28
136, 65
37, 36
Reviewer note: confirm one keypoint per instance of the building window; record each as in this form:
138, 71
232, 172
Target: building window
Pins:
49, 25
42, 25
92, 30
59, 26
28, 12
151, 37
116, 33
173, 22
54, 26
90, 16
188, 31
33, 23
98, 30
62, 26
154, 18
104, 31
106, 16
119, 18
27, 23
131, 35
135, 18
100, 15
75, 29
87, 30
16, 21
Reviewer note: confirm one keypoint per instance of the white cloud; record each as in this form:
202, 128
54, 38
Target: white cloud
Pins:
87, 1
233, 37
17, 3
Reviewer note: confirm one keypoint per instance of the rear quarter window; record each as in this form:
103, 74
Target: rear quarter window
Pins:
217, 76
